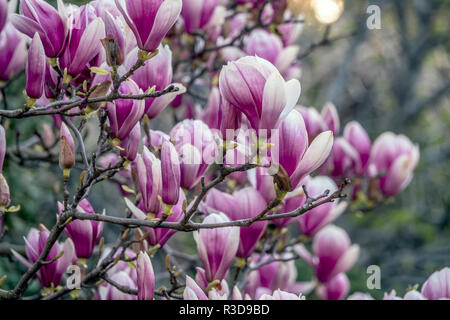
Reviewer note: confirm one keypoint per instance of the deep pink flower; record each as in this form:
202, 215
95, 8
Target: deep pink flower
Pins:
255, 87
293, 152
84, 233
394, 158
150, 20
51, 25
335, 289
14, 52
197, 13
195, 144
49, 274
123, 114
159, 236
334, 253
86, 31
35, 68
217, 247
145, 277
315, 219
170, 173
248, 203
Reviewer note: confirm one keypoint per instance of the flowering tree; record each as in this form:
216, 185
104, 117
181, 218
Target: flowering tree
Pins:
234, 173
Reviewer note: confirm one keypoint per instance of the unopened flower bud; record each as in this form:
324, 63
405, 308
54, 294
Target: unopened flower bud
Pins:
4, 192
48, 138
67, 150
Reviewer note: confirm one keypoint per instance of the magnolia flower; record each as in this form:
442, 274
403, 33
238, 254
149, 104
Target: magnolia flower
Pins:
360, 296
333, 251
157, 72
256, 88
150, 181
114, 32
37, 16
393, 158
159, 236
170, 173
145, 277
414, 295
331, 117
313, 121
124, 114
248, 203
3, 13
274, 275
194, 142
197, 13
293, 152
334, 289
84, 233
317, 218
217, 247
130, 144
210, 115
269, 46
193, 291
35, 68
358, 138
150, 20
110, 292
14, 52
437, 285
86, 31
344, 160
282, 295
290, 32
67, 148
49, 274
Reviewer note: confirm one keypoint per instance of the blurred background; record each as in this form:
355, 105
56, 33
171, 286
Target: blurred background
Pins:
396, 78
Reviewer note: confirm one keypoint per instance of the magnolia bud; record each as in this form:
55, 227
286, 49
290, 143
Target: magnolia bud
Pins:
48, 138
67, 150
114, 55
4, 192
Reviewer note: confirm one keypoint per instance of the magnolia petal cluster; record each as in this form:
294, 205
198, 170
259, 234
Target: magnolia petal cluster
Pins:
297, 157
157, 74
393, 158
159, 236
50, 274
437, 285
84, 233
197, 13
248, 204
14, 52
36, 66
124, 114
334, 253
37, 16
195, 145
150, 20
86, 31
217, 247
269, 46
145, 277
256, 88
67, 148
317, 218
